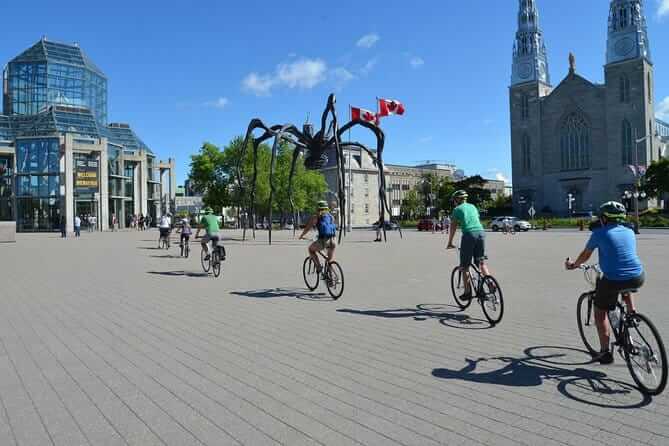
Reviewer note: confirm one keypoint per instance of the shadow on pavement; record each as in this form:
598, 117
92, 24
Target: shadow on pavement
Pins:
283, 292
167, 256
447, 315
178, 274
586, 386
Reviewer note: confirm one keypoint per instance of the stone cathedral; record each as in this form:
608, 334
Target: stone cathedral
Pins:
573, 143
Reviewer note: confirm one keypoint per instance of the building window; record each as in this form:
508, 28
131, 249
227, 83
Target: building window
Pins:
628, 154
366, 178
352, 208
406, 187
524, 107
575, 143
526, 155
624, 89
366, 208
650, 89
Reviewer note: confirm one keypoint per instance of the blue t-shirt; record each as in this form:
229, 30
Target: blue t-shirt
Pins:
617, 252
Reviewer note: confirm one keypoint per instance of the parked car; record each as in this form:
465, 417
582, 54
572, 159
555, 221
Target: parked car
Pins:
426, 224
497, 224
389, 225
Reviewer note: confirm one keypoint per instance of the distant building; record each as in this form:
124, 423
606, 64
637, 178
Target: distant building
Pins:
59, 157
579, 139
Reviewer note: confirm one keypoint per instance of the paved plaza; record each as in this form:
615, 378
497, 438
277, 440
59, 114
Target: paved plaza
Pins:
105, 340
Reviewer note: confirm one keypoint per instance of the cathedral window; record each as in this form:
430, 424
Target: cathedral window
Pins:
627, 144
575, 143
524, 107
624, 89
526, 155
650, 89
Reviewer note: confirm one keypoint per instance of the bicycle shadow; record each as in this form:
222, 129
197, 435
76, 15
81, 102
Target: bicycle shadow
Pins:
447, 315
273, 293
167, 256
587, 386
178, 273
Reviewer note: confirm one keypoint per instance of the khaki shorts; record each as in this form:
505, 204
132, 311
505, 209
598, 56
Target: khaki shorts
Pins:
326, 243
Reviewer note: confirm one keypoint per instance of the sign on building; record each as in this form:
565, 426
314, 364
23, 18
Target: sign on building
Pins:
86, 176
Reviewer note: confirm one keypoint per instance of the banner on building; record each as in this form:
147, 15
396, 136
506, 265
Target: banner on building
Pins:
86, 176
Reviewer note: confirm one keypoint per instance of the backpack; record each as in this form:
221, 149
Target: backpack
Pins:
326, 227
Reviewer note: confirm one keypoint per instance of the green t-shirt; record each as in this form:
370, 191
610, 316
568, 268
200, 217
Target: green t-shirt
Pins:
210, 223
467, 217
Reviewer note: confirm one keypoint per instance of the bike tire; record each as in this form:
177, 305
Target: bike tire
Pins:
587, 327
206, 264
310, 274
640, 348
458, 287
335, 280
216, 263
492, 299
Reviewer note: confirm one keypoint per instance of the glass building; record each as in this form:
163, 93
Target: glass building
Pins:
59, 157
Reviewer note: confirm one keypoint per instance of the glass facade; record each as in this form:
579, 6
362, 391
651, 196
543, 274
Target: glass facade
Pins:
37, 184
51, 73
6, 188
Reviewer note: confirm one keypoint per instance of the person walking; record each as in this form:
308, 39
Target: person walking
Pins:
63, 228
77, 226
140, 223
113, 222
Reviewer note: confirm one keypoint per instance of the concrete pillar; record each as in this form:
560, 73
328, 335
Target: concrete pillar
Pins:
67, 183
104, 187
143, 186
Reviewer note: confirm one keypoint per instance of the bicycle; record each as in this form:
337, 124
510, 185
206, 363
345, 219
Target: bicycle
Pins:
485, 289
216, 257
164, 241
634, 334
331, 273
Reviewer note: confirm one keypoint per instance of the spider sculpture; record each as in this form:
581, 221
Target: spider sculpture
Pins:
315, 149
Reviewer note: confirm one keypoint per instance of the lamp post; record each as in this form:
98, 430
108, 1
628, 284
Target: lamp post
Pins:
570, 202
637, 180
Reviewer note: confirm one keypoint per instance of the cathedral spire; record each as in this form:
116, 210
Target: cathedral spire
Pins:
628, 34
530, 60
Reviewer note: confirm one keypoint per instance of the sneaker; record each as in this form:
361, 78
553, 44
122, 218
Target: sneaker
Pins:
466, 297
605, 358
207, 258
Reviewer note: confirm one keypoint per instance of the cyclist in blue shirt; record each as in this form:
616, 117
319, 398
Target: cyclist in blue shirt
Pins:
621, 268
324, 222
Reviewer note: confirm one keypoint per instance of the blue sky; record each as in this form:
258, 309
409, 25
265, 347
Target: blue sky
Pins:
182, 74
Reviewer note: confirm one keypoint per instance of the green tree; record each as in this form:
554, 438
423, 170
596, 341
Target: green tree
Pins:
411, 205
656, 181
209, 177
478, 195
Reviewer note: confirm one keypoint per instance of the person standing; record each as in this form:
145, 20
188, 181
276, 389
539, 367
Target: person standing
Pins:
77, 226
113, 222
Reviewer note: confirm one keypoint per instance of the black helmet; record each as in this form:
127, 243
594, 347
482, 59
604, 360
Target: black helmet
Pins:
459, 194
613, 210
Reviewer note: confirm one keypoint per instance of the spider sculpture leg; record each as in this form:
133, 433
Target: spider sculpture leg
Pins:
380, 140
296, 156
272, 167
339, 153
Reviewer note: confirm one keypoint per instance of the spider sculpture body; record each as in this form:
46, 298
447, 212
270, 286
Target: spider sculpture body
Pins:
314, 150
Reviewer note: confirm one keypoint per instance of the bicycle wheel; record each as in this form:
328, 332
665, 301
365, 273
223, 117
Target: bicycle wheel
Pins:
334, 280
585, 317
216, 263
492, 300
458, 288
310, 273
206, 264
645, 355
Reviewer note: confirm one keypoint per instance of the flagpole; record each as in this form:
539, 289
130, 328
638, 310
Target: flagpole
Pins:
350, 174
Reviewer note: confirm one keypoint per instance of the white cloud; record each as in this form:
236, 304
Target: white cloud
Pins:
219, 103
664, 8
416, 62
662, 110
303, 73
369, 66
499, 176
368, 41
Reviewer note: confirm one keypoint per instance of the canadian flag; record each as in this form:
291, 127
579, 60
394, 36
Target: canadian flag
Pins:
360, 114
389, 107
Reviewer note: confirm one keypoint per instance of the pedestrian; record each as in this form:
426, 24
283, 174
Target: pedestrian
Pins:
63, 227
140, 223
113, 222
77, 226
435, 223
446, 224
94, 225
379, 229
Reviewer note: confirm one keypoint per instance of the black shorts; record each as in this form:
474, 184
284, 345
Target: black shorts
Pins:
164, 232
472, 247
607, 292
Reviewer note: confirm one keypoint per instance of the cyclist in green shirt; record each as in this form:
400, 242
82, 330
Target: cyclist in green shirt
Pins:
472, 244
209, 223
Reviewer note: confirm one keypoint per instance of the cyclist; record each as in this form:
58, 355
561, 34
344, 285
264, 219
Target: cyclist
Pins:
209, 223
506, 224
472, 244
185, 231
324, 222
163, 227
621, 268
